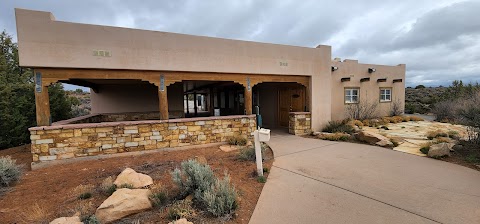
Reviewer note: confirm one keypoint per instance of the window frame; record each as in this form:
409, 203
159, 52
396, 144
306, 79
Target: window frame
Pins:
351, 95
385, 94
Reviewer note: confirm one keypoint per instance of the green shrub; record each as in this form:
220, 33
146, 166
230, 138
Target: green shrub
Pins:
180, 209
247, 154
425, 147
265, 170
237, 140
9, 171
159, 198
395, 142
217, 196
261, 179
385, 127
221, 198
334, 137
338, 126
194, 177
90, 220
453, 134
85, 195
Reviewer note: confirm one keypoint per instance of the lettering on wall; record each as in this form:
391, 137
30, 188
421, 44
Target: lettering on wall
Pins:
102, 53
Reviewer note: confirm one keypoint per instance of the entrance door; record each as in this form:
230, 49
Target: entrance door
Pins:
290, 99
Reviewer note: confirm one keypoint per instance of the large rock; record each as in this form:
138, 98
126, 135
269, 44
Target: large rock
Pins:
123, 202
374, 139
137, 180
67, 220
181, 221
439, 150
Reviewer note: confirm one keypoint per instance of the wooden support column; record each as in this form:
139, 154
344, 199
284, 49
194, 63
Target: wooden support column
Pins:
248, 101
42, 101
163, 100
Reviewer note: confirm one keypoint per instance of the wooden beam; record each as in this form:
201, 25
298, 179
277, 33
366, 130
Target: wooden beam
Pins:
248, 101
163, 103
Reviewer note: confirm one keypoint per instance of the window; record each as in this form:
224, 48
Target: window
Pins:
385, 95
351, 95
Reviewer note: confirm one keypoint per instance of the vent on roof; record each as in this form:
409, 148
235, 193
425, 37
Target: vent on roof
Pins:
397, 80
347, 79
364, 79
382, 80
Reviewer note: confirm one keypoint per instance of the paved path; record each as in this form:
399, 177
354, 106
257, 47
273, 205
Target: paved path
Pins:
315, 181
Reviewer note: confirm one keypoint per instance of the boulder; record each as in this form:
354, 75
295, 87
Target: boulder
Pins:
439, 150
123, 202
67, 220
137, 180
373, 138
228, 148
181, 221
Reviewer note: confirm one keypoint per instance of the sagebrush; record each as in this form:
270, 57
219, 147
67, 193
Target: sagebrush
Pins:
9, 171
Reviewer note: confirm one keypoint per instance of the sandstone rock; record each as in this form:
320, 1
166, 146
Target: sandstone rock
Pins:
181, 221
67, 220
439, 150
137, 180
123, 202
228, 148
373, 138
201, 159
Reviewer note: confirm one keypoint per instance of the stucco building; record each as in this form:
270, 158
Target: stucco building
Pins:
153, 89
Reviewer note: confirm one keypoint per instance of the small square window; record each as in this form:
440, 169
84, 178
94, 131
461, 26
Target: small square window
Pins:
351, 95
385, 95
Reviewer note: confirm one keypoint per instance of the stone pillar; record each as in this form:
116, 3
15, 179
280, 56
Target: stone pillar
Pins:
163, 102
248, 101
42, 102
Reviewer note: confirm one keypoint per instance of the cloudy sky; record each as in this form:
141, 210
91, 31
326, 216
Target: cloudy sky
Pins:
439, 40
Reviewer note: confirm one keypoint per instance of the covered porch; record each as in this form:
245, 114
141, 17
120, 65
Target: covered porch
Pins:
143, 110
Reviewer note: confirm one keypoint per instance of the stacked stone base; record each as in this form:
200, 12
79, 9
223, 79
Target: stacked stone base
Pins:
80, 140
300, 123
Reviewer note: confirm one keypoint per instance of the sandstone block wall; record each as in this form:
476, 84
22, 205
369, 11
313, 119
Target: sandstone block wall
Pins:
300, 123
79, 140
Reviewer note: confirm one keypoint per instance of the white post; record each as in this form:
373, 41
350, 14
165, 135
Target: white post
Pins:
258, 153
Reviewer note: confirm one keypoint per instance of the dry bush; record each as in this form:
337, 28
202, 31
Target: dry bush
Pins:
445, 110
107, 187
35, 214
334, 136
237, 140
9, 171
442, 140
396, 119
396, 108
357, 123
405, 118
159, 196
181, 209
83, 191
338, 126
84, 208
425, 147
361, 110
386, 120
416, 118
435, 134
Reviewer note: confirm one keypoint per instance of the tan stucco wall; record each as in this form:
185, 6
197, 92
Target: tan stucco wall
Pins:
369, 90
125, 98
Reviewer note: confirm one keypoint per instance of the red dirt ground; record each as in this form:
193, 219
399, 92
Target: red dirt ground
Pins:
47, 193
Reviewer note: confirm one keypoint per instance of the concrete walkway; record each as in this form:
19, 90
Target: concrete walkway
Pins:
315, 181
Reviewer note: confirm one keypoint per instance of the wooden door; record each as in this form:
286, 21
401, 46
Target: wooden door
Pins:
290, 99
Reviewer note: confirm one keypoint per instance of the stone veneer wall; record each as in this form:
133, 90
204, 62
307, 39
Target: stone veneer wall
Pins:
80, 140
300, 123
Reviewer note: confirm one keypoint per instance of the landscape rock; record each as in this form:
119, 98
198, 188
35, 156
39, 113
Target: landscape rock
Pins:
373, 138
67, 220
439, 150
137, 180
181, 221
228, 148
201, 160
123, 202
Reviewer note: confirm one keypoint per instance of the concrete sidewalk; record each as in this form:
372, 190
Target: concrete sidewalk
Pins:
315, 181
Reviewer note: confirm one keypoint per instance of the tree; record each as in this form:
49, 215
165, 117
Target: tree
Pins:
420, 87
17, 99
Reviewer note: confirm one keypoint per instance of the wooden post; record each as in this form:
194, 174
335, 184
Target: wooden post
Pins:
42, 101
162, 97
42, 105
248, 101
195, 109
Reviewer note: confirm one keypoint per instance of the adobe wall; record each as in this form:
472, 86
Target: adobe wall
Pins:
369, 90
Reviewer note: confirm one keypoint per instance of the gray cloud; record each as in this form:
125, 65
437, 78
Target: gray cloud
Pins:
439, 40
